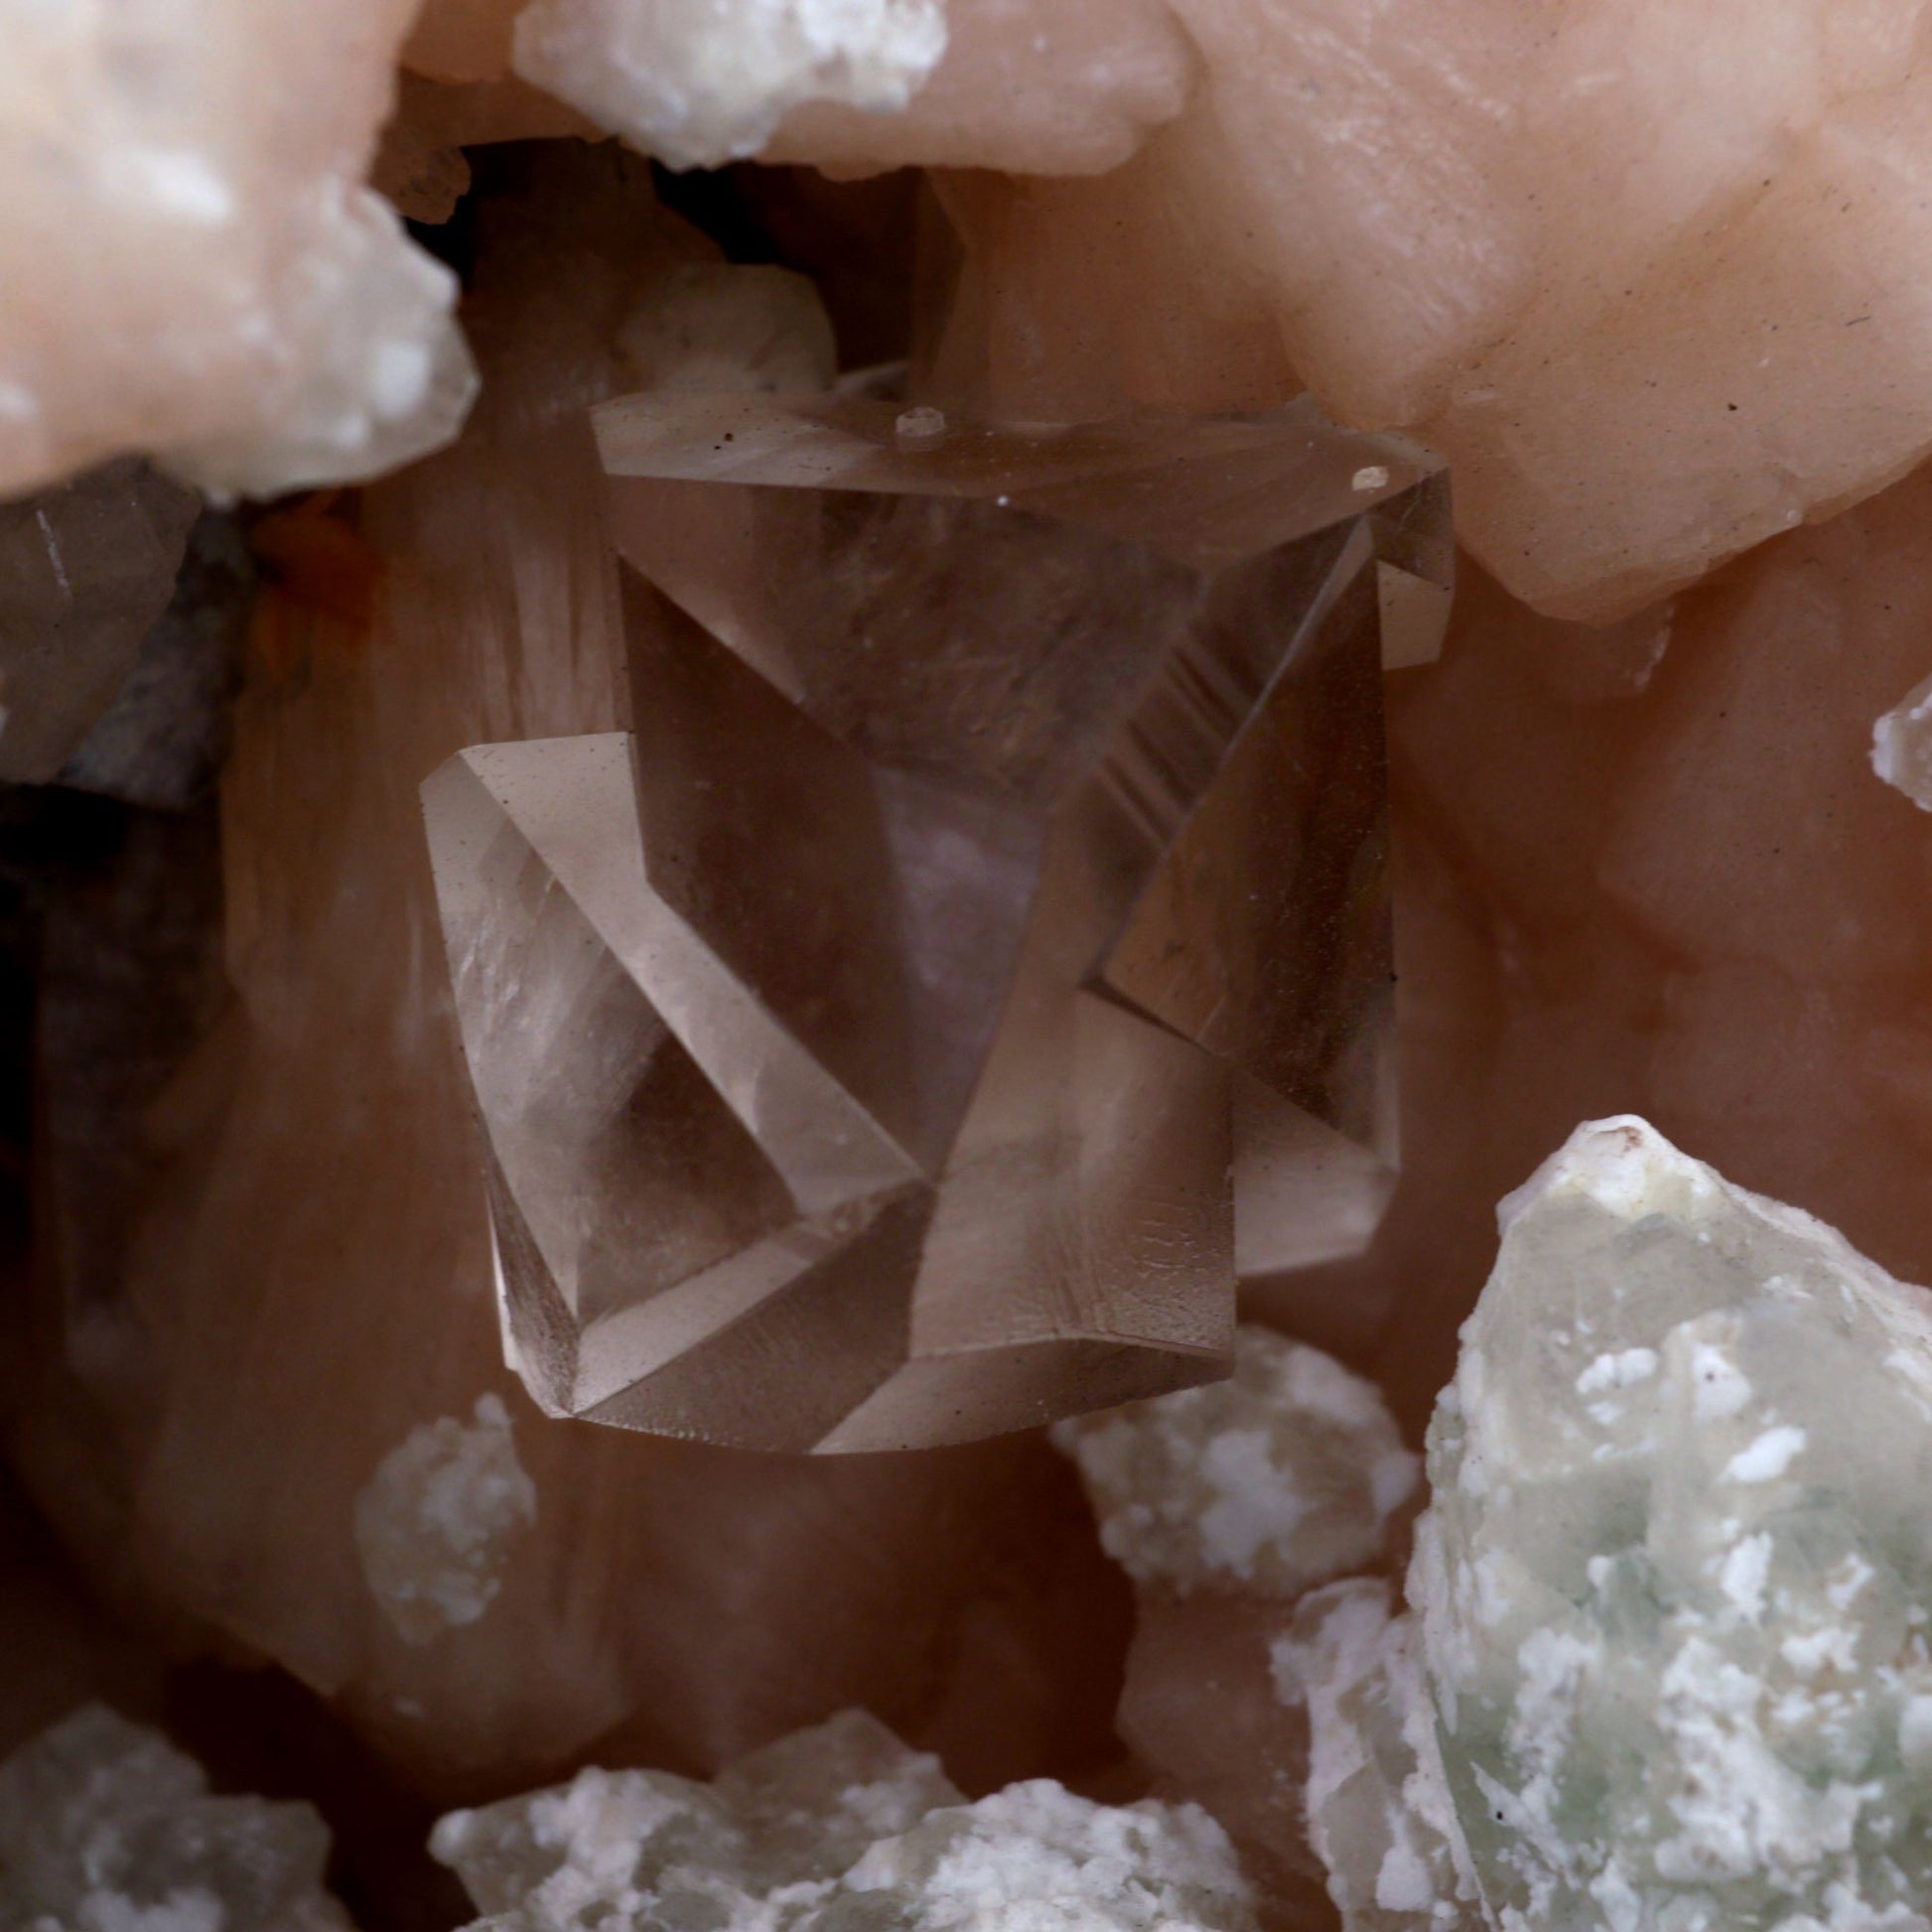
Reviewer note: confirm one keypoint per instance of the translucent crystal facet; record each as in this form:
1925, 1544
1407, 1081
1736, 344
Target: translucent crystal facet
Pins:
1671, 1588
865, 1039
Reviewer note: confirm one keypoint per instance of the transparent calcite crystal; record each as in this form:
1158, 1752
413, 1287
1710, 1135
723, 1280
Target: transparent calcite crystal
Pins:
436, 1523
839, 1828
191, 267
273, 1261
978, 946
105, 1824
1671, 1585
1282, 1476
86, 570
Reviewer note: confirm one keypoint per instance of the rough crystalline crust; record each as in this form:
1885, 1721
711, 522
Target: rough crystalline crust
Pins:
105, 1826
865, 1041
838, 1828
1672, 1585
1280, 1477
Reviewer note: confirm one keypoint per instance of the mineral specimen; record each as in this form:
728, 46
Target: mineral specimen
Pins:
640, 1844
307, 1278
105, 1825
1377, 1803
1268, 1483
1672, 1583
1901, 745
1225, 1504
699, 83
838, 1828
191, 266
901, 991
435, 1523
85, 569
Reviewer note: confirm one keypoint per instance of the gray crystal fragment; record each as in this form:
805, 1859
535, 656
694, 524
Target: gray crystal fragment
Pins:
104, 1827
161, 740
85, 569
838, 1828
1675, 1582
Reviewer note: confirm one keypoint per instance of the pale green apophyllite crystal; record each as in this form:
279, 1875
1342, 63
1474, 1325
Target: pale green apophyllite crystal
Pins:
1675, 1580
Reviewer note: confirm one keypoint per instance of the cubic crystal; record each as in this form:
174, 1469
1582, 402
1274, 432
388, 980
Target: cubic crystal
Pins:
998, 857
1671, 1583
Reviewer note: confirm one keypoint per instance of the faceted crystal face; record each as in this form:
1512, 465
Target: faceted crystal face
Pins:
977, 950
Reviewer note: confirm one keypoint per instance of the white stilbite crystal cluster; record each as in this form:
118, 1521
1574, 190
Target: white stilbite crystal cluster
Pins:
104, 1827
1377, 1803
700, 83
1674, 1582
189, 264
1282, 1476
436, 1523
1901, 745
838, 1828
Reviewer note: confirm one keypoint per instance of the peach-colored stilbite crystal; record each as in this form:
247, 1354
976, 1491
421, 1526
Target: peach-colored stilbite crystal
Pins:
189, 264
1647, 276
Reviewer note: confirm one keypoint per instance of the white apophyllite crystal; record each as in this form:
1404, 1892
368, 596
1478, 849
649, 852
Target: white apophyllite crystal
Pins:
699, 83
436, 1524
838, 1828
1037, 1859
1377, 1802
190, 266
1901, 745
1675, 1580
1284, 1476
707, 327
627, 1849
104, 1827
